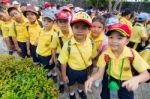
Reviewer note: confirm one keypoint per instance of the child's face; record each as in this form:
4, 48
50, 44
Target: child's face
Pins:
63, 24
16, 15
31, 16
80, 30
3, 16
47, 23
117, 42
97, 29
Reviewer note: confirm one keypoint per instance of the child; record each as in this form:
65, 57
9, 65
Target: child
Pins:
19, 33
100, 40
117, 64
44, 50
33, 27
77, 54
6, 22
139, 32
60, 36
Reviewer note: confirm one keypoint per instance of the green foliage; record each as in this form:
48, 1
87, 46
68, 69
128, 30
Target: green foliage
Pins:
20, 79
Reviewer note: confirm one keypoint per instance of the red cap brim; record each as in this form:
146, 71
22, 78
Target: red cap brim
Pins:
81, 20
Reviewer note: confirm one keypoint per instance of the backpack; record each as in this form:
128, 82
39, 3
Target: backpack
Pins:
133, 70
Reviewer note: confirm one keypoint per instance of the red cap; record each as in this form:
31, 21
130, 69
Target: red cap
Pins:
62, 15
47, 4
65, 8
121, 28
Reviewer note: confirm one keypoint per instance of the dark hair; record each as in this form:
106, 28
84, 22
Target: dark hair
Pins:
112, 31
126, 12
12, 8
85, 24
100, 19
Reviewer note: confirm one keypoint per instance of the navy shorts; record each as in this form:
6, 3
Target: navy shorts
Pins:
76, 76
123, 93
44, 60
23, 48
33, 53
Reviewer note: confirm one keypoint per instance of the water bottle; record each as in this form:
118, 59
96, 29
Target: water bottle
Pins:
113, 86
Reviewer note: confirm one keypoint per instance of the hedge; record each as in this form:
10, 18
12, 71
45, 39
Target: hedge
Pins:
20, 79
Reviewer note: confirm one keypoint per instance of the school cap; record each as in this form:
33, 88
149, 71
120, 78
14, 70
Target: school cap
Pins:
111, 21
15, 2
65, 8
78, 9
121, 28
11, 8
47, 4
49, 13
31, 8
82, 17
62, 15
142, 17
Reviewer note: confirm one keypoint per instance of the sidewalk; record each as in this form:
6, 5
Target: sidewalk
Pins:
143, 92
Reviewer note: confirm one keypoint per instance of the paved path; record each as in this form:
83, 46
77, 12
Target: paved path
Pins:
143, 92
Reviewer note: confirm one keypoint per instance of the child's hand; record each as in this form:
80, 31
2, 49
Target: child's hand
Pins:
131, 84
28, 52
88, 85
65, 79
51, 61
18, 50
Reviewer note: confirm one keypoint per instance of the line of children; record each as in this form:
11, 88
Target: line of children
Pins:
116, 68
77, 54
33, 28
60, 36
19, 33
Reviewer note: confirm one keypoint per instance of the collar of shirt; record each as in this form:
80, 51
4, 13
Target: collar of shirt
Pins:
126, 53
62, 35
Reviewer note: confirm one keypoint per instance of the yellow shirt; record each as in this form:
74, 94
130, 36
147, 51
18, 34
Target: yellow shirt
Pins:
56, 42
139, 31
145, 54
98, 41
138, 63
44, 41
34, 32
5, 28
74, 59
19, 31
125, 21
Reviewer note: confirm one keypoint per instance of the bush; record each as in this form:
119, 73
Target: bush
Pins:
20, 79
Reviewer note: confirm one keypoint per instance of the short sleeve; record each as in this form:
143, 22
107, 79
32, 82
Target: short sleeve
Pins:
101, 61
54, 42
139, 63
63, 56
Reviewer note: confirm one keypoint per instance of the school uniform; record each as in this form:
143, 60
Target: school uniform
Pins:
34, 32
120, 70
43, 48
77, 60
19, 31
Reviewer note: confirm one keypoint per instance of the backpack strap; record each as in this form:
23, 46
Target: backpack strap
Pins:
40, 23
27, 27
69, 47
15, 30
60, 40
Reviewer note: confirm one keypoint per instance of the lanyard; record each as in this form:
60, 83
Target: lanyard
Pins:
121, 68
